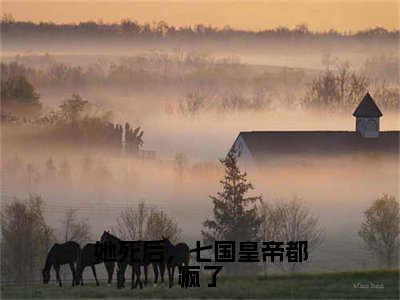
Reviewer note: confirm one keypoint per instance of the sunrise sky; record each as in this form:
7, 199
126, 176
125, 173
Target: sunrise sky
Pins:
317, 14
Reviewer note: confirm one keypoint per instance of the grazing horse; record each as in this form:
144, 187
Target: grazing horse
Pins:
174, 256
61, 254
123, 263
88, 258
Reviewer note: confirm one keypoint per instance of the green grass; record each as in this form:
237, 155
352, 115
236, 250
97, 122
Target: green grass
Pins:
304, 286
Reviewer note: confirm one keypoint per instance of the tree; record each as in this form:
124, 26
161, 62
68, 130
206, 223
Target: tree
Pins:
180, 163
25, 240
133, 138
291, 221
380, 230
74, 229
18, 95
338, 88
51, 170
147, 223
159, 224
131, 222
236, 217
72, 108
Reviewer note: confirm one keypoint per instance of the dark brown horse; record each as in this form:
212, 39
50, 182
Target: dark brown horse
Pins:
121, 260
174, 256
124, 260
61, 254
89, 258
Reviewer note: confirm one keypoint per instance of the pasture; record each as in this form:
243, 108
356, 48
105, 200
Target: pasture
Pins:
378, 284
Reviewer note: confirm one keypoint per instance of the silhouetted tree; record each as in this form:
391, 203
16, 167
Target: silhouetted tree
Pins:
133, 138
338, 88
25, 239
72, 108
18, 95
291, 221
236, 216
380, 230
146, 223
180, 164
74, 229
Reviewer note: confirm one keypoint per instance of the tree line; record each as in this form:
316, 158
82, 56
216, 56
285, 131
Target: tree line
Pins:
161, 30
207, 83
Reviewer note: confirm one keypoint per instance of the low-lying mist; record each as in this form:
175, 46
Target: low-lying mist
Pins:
99, 186
192, 106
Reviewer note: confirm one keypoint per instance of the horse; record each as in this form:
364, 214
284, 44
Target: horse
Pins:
61, 254
174, 256
88, 258
123, 263
116, 243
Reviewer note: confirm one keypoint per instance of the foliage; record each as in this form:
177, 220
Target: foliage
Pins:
380, 230
25, 239
236, 216
71, 109
19, 94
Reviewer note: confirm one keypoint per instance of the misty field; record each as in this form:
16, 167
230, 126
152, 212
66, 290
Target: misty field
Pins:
358, 284
114, 127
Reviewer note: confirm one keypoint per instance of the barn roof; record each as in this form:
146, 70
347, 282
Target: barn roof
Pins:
261, 144
367, 108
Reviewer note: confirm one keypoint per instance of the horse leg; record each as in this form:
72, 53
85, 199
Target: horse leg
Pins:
133, 283
145, 270
138, 280
155, 269
169, 268
72, 267
173, 274
110, 270
79, 275
162, 271
58, 278
94, 274
121, 275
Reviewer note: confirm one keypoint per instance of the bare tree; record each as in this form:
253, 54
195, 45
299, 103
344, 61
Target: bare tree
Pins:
146, 223
291, 221
131, 222
380, 230
337, 88
75, 229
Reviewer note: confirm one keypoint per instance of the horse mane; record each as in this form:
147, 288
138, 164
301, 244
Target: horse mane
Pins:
49, 259
167, 243
108, 235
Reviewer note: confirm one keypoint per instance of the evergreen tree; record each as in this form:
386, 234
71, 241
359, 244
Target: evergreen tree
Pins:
236, 216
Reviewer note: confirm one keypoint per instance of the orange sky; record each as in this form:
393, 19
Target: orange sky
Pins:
318, 14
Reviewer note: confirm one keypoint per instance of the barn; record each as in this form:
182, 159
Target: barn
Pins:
257, 147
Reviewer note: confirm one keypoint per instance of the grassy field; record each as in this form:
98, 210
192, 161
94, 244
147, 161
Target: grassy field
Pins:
361, 285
